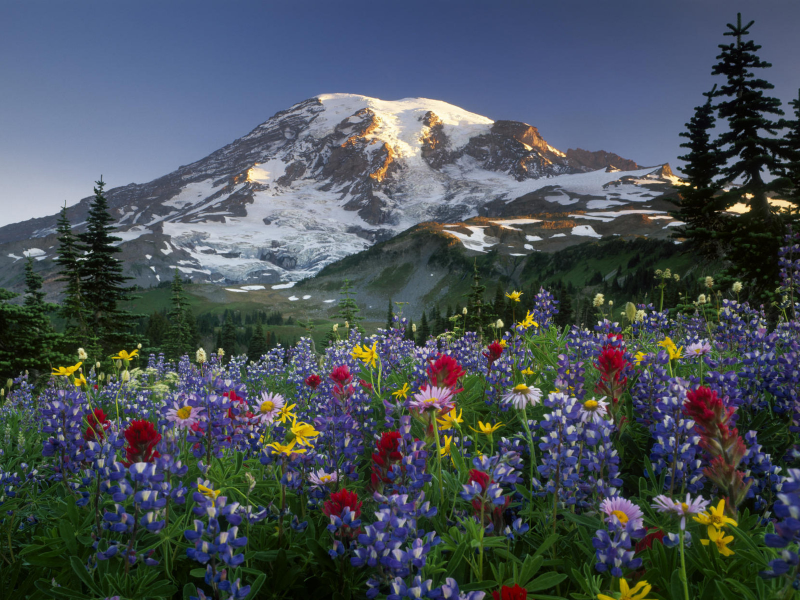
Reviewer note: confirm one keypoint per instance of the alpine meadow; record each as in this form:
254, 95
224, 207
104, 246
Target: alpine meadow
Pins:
396, 349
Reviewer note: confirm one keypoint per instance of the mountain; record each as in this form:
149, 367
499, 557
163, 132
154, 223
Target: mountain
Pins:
333, 175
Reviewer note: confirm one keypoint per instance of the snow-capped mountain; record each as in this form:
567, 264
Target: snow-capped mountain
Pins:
334, 174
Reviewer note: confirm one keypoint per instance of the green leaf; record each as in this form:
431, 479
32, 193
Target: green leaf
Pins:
530, 567
239, 462
742, 588
478, 585
197, 572
67, 532
84, 576
725, 592
256, 586
189, 590
545, 545
458, 556
676, 585
58, 592
545, 582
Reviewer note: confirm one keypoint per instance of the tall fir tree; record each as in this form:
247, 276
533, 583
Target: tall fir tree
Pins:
424, 331
229, 338
179, 340
102, 280
348, 309
479, 312
751, 150
73, 307
257, 346
791, 169
700, 208
389, 316
28, 340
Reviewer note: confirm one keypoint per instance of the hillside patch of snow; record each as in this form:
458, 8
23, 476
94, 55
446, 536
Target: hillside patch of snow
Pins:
253, 288
293, 298
284, 286
585, 230
235, 290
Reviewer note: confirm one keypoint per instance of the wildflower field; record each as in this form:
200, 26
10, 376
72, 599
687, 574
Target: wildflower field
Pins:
651, 457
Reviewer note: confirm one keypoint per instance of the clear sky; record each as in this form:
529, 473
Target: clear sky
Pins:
132, 89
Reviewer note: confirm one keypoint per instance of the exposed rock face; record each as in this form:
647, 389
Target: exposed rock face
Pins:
584, 159
326, 178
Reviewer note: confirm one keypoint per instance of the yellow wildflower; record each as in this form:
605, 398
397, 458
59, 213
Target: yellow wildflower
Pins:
366, 354
487, 428
718, 537
66, 371
303, 432
80, 380
445, 449
527, 321
673, 351
286, 413
450, 420
715, 517
514, 296
527, 371
208, 492
503, 343
637, 592
125, 356
286, 449
640, 356
402, 393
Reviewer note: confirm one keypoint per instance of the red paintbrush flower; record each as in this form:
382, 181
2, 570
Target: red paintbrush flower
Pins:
339, 500
647, 542
511, 593
142, 438
445, 372
493, 352
388, 453
480, 478
313, 381
98, 423
341, 375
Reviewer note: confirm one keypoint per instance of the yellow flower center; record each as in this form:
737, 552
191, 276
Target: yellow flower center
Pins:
623, 518
431, 399
185, 412
521, 388
590, 405
267, 406
684, 507
716, 520
325, 478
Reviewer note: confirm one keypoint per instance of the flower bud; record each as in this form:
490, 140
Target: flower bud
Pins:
82, 354
499, 324
630, 311
598, 301
464, 312
737, 287
336, 327
126, 376
220, 352
347, 324
200, 356
414, 327
709, 282
138, 346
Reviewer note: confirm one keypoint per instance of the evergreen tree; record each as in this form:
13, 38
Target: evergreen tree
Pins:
257, 347
348, 309
499, 305
157, 331
28, 340
479, 312
218, 341
193, 336
564, 316
102, 281
699, 209
179, 341
424, 331
229, 338
389, 316
73, 308
753, 238
791, 169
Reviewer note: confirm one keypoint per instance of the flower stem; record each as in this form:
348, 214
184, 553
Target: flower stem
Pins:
438, 456
683, 569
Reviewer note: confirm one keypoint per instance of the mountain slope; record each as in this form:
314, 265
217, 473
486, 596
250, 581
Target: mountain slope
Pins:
331, 176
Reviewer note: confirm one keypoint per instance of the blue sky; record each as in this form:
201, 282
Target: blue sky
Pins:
131, 89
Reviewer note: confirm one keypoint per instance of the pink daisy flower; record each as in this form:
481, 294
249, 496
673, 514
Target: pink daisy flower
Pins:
665, 504
522, 396
698, 349
594, 410
321, 478
269, 407
432, 398
623, 511
184, 416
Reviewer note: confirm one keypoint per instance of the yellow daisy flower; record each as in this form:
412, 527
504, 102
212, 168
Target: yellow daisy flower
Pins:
303, 432
673, 351
402, 393
528, 321
639, 357
208, 492
80, 380
66, 371
637, 592
286, 413
487, 428
366, 354
514, 296
715, 517
527, 371
718, 537
445, 449
450, 420
286, 449
123, 355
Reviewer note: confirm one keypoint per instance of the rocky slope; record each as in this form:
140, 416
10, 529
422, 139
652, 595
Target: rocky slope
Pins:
337, 173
